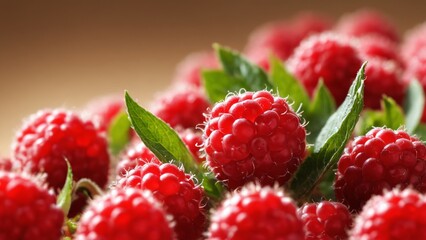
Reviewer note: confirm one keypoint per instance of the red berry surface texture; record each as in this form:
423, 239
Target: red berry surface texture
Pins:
256, 213
254, 137
51, 136
125, 214
27, 209
396, 215
330, 57
325, 220
382, 159
178, 193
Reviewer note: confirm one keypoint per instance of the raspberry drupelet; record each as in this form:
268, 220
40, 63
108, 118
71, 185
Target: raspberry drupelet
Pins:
27, 209
325, 220
178, 193
396, 215
125, 214
182, 107
254, 136
256, 213
51, 136
331, 57
382, 159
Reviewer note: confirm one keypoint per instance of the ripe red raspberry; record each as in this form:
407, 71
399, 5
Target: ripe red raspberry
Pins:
27, 209
178, 193
327, 56
103, 110
383, 78
124, 214
281, 38
136, 154
325, 220
183, 107
193, 140
414, 43
371, 47
367, 22
416, 69
396, 215
254, 137
6, 164
382, 159
51, 136
188, 71
256, 213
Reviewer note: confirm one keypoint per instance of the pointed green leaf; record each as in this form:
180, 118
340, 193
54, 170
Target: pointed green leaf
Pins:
237, 66
321, 108
119, 133
421, 132
370, 119
218, 84
331, 141
390, 116
65, 196
287, 85
167, 146
394, 116
413, 105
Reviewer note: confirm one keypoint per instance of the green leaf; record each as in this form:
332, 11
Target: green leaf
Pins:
319, 111
394, 116
65, 196
218, 84
167, 146
118, 133
331, 140
421, 132
369, 120
287, 85
413, 105
390, 116
237, 66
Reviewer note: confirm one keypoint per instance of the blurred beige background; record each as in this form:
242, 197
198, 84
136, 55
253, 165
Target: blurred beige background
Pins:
64, 53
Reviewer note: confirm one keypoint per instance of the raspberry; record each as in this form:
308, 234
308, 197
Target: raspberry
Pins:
281, 38
367, 22
371, 47
414, 43
383, 78
326, 220
416, 69
137, 154
189, 70
6, 164
181, 108
176, 190
327, 56
193, 140
394, 215
51, 136
256, 213
254, 137
103, 110
27, 209
124, 214
382, 159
